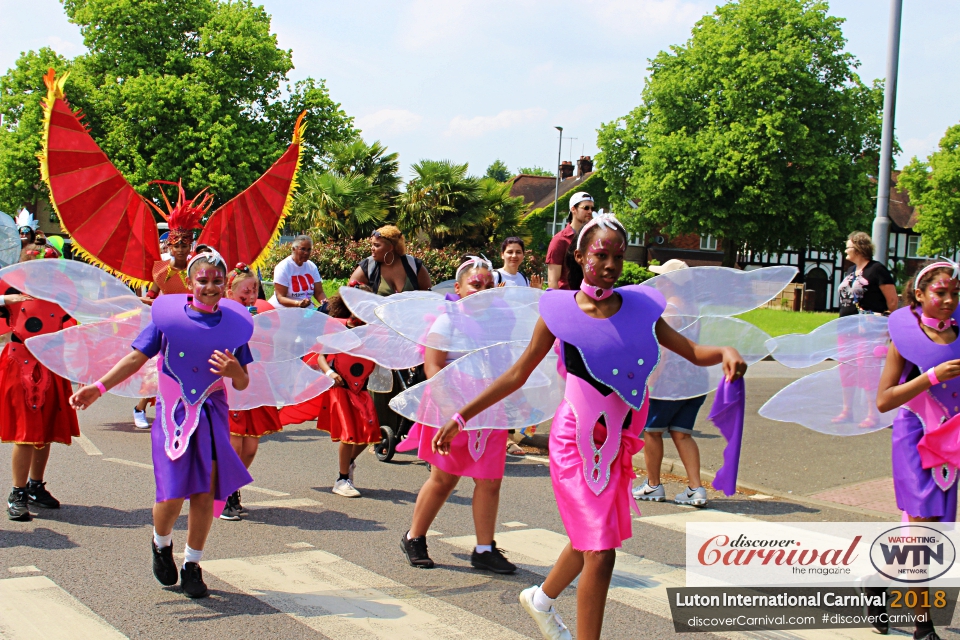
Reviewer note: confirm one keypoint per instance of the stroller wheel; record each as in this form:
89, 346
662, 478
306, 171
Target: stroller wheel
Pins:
387, 446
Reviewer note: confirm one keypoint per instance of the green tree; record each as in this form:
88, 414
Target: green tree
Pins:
441, 201
337, 206
757, 130
535, 171
499, 171
934, 189
356, 157
172, 89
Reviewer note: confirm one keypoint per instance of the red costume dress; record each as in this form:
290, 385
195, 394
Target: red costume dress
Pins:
255, 423
346, 413
170, 280
34, 407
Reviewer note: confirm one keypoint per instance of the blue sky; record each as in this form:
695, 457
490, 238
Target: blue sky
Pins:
474, 81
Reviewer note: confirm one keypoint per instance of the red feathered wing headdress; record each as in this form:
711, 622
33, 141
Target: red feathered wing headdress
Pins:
113, 226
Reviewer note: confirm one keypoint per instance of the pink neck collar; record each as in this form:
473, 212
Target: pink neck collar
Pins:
595, 292
201, 306
937, 325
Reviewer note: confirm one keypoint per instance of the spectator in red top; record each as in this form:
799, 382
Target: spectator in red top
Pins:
559, 275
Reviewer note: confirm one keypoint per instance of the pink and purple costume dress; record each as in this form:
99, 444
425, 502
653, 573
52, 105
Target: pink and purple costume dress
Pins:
192, 428
926, 447
595, 432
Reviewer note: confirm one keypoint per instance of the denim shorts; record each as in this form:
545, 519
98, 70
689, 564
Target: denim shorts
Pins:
673, 415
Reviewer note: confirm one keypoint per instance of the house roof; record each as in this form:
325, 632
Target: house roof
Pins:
904, 215
570, 184
531, 187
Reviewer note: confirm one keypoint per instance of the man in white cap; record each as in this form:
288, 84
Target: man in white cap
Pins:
558, 265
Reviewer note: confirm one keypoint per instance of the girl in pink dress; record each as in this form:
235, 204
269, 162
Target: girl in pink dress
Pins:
480, 455
610, 342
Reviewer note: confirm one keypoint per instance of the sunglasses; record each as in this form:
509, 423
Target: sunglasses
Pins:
376, 234
586, 207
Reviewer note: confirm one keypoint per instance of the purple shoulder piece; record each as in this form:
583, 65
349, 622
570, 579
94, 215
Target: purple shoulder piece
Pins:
914, 345
620, 352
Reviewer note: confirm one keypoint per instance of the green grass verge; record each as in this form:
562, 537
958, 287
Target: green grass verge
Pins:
777, 323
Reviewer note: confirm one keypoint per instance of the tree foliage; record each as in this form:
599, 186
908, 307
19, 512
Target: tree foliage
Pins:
934, 189
536, 171
757, 130
499, 171
172, 89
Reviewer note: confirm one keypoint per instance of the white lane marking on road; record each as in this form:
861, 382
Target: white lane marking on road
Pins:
344, 601
541, 459
300, 545
514, 524
35, 607
678, 521
130, 463
27, 569
87, 445
431, 533
759, 496
291, 503
269, 492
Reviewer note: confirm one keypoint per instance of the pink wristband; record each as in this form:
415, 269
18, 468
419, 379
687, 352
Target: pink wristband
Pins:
932, 377
460, 421
99, 385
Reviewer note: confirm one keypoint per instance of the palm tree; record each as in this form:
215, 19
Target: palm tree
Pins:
338, 206
372, 161
442, 202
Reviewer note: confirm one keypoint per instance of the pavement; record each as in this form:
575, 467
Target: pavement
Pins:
310, 564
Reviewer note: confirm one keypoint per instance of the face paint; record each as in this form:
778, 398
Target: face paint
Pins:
244, 292
480, 280
606, 245
209, 284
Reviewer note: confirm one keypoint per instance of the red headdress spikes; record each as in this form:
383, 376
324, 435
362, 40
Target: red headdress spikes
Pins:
186, 215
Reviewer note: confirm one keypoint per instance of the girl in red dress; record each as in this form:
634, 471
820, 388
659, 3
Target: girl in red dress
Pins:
346, 411
247, 427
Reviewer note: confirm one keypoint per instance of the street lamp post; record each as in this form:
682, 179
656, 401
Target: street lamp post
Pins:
556, 191
881, 223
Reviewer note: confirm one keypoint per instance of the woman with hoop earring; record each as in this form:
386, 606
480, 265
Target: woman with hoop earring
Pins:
389, 269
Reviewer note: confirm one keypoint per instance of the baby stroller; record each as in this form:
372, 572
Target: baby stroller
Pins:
394, 427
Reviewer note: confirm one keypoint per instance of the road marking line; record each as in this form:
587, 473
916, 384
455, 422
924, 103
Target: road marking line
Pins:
344, 601
514, 524
291, 503
300, 545
130, 463
35, 607
678, 521
27, 569
87, 445
541, 459
759, 496
431, 533
269, 492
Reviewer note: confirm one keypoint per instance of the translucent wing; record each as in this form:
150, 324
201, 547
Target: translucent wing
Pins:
278, 384
287, 333
719, 291
85, 292
843, 339
483, 319
381, 380
363, 304
676, 378
434, 401
85, 353
445, 287
9, 241
817, 401
375, 342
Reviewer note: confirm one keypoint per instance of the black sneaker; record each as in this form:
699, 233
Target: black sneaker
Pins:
925, 635
17, 505
416, 551
191, 581
231, 510
38, 495
164, 566
492, 560
243, 510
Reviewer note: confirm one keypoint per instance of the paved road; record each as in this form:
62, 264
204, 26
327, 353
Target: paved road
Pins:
307, 563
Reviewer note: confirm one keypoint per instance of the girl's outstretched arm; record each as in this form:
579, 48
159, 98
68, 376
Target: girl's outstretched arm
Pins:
891, 395
513, 379
127, 366
699, 354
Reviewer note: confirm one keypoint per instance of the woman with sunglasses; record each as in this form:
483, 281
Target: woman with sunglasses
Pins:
389, 269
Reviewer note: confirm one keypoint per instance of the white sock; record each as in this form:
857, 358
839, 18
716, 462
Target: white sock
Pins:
162, 541
192, 555
541, 601
483, 548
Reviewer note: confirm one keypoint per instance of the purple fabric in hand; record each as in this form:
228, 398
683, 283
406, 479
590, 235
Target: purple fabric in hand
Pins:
727, 414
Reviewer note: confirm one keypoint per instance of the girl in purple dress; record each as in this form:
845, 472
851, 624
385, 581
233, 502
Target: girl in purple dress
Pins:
201, 340
610, 342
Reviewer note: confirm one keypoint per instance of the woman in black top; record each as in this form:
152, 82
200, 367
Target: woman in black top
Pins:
867, 286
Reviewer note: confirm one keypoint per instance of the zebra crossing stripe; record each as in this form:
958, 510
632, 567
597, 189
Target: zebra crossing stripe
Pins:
35, 607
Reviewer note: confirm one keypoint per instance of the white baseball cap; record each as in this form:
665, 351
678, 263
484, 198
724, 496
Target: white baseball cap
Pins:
578, 197
668, 266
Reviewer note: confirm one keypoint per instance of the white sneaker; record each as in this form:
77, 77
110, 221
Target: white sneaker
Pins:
140, 419
549, 622
650, 494
346, 489
693, 497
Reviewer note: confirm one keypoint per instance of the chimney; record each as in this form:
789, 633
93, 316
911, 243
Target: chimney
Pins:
566, 170
584, 166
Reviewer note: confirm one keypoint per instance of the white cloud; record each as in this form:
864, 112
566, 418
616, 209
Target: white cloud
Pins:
919, 147
389, 122
646, 16
64, 47
477, 126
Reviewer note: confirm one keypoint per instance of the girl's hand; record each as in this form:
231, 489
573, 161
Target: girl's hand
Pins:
337, 379
733, 365
536, 282
441, 443
15, 298
947, 370
226, 365
85, 397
